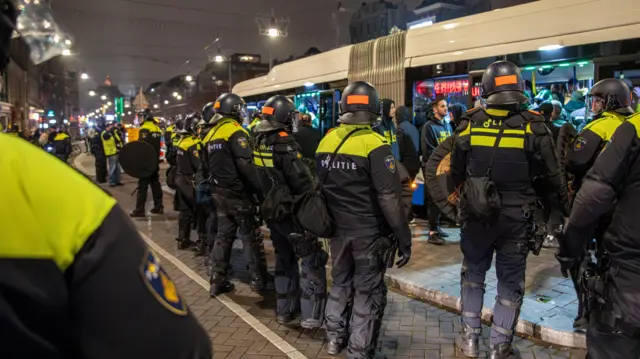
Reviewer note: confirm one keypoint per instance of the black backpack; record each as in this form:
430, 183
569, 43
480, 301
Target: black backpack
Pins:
480, 199
310, 208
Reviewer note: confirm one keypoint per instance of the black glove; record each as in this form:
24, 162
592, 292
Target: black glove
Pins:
566, 264
405, 255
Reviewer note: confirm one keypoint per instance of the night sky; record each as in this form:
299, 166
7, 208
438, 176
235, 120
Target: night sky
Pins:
137, 42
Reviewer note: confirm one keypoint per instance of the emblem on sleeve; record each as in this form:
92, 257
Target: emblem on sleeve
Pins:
160, 285
242, 142
580, 143
390, 162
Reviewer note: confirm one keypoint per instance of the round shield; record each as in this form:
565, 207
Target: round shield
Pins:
439, 182
138, 159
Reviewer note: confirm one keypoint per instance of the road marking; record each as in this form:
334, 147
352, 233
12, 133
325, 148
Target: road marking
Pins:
272, 337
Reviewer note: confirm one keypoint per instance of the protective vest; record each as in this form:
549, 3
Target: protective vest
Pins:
109, 145
511, 170
60, 142
55, 232
350, 196
151, 133
253, 124
222, 144
188, 154
59, 136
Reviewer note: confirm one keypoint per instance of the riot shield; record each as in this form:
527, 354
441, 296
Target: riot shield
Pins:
138, 159
438, 180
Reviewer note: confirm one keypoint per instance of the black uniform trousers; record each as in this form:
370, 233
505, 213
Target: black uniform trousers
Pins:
156, 191
605, 342
295, 291
185, 194
236, 216
478, 242
358, 296
101, 168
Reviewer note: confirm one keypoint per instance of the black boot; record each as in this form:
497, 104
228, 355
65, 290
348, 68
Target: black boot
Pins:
220, 285
504, 351
261, 279
467, 340
137, 213
157, 210
335, 346
184, 230
201, 244
284, 319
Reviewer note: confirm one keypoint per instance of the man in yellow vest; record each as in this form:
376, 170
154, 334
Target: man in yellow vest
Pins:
111, 149
62, 144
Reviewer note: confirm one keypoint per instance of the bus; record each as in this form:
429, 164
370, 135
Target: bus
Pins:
575, 42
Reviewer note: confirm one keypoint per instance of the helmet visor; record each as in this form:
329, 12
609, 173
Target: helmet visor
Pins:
596, 104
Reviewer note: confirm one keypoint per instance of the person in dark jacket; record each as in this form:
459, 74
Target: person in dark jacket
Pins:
435, 131
387, 128
308, 138
456, 110
408, 141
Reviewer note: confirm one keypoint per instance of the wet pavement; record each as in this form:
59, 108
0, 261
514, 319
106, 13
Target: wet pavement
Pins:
242, 324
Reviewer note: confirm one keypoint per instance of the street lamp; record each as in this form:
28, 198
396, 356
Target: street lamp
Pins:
166, 102
218, 58
273, 32
155, 105
188, 78
103, 97
175, 94
66, 52
179, 97
109, 103
92, 93
129, 113
84, 76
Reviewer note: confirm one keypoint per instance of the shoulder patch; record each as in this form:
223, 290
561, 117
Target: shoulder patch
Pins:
579, 143
390, 163
242, 141
160, 285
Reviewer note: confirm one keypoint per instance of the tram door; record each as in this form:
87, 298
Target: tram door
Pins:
329, 110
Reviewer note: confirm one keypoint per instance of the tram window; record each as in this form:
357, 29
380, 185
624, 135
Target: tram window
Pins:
454, 88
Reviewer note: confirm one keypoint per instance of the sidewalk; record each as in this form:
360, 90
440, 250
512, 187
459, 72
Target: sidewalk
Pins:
550, 302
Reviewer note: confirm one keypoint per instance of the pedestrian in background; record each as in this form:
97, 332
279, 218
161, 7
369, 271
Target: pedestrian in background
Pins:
435, 131
408, 141
387, 128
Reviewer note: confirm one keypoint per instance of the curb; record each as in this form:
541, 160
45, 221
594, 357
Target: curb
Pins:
524, 328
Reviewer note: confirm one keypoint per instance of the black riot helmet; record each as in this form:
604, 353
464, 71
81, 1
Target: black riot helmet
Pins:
229, 105
609, 95
191, 123
360, 104
101, 123
145, 115
502, 84
208, 111
280, 109
179, 123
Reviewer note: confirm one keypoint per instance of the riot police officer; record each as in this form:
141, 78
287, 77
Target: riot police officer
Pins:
150, 133
78, 251
236, 192
614, 322
170, 134
281, 173
609, 101
203, 190
178, 125
497, 153
363, 194
97, 148
62, 144
187, 151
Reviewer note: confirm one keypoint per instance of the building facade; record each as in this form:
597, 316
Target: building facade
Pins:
376, 19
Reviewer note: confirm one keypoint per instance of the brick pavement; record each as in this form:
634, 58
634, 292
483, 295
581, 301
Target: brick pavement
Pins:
411, 329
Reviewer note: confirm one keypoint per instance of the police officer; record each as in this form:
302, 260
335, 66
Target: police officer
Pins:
169, 134
187, 152
150, 133
236, 192
363, 194
610, 102
62, 144
203, 190
277, 156
173, 139
97, 148
612, 182
111, 149
256, 120
78, 251
503, 147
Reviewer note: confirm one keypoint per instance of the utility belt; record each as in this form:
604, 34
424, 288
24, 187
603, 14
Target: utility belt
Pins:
536, 232
593, 280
